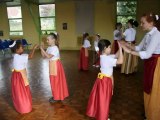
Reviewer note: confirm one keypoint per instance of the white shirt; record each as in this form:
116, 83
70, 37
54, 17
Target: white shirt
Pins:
119, 37
20, 61
53, 50
150, 44
107, 62
96, 45
86, 44
130, 34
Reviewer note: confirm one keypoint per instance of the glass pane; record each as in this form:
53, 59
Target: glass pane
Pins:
14, 12
46, 32
126, 7
47, 10
47, 23
124, 19
15, 25
16, 33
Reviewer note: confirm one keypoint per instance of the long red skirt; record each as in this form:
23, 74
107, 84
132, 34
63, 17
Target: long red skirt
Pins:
99, 100
21, 94
83, 62
115, 47
58, 83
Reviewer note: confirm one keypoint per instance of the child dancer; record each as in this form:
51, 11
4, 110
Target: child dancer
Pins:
101, 94
83, 63
130, 61
96, 51
56, 72
117, 36
21, 94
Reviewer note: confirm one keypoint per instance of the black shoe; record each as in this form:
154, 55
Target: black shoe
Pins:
144, 117
51, 100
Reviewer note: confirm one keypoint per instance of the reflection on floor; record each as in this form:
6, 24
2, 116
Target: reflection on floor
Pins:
127, 101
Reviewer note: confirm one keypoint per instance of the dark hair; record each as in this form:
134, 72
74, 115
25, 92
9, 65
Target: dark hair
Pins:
118, 24
151, 17
54, 36
103, 43
98, 35
133, 22
16, 46
84, 36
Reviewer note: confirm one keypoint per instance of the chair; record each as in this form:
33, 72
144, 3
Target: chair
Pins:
4, 46
10, 41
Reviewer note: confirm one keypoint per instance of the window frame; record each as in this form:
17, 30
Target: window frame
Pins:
15, 19
126, 15
53, 17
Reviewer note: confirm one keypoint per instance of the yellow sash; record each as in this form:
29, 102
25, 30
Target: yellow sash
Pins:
24, 76
53, 67
101, 75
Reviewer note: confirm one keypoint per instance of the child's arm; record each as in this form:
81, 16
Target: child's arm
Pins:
44, 54
30, 56
117, 54
112, 84
42, 45
120, 55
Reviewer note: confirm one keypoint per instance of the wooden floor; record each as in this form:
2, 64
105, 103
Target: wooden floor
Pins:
127, 101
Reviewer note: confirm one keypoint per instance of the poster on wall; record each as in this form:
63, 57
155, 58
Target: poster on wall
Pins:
1, 33
64, 26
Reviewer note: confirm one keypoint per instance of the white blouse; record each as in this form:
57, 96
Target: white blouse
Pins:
150, 44
53, 50
130, 34
20, 61
96, 45
86, 44
107, 62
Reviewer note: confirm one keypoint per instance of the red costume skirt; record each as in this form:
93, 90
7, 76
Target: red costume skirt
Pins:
83, 62
21, 94
100, 97
58, 83
115, 47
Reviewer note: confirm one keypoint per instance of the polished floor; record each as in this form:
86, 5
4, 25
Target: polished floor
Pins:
127, 101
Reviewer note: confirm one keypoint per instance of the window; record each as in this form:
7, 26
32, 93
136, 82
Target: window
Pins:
15, 20
47, 18
126, 9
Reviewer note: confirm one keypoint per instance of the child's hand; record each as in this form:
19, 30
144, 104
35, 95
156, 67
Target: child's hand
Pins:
122, 42
42, 44
120, 45
41, 47
35, 46
126, 49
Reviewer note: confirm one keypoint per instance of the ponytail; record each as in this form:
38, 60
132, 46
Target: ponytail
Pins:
133, 22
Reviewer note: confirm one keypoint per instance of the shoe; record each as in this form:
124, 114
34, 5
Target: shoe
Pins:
51, 100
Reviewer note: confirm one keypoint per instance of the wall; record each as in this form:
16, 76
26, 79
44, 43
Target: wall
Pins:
104, 21
65, 13
4, 21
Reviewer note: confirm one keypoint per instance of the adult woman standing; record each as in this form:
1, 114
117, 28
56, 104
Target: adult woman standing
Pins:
149, 51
